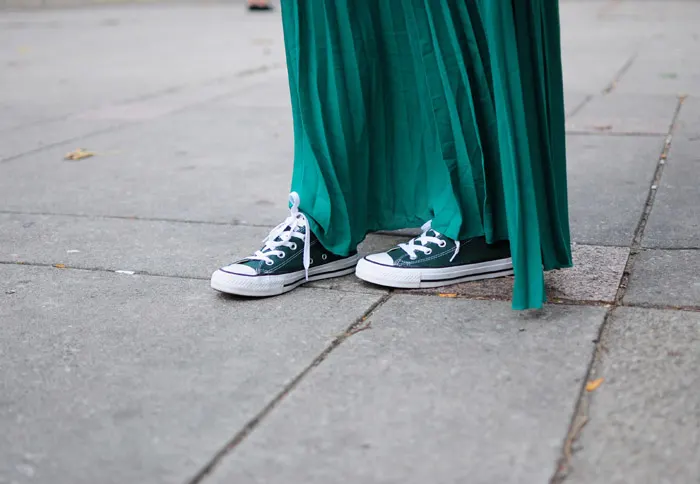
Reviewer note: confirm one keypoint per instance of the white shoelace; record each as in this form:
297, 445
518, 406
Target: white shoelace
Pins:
411, 247
282, 235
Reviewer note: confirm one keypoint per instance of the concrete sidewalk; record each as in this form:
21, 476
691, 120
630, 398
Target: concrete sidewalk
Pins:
54, 4
119, 364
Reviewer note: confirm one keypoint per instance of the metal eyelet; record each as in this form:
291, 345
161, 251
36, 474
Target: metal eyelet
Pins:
324, 257
429, 251
442, 244
282, 255
293, 246
311, 261
269, 263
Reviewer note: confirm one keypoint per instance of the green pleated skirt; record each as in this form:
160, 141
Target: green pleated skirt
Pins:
446, 110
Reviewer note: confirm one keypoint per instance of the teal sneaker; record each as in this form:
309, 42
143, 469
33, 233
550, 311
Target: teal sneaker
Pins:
291, 256
433, 260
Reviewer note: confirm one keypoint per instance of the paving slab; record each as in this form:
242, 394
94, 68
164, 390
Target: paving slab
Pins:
53, 69
644, 422
573, 101
595, 277
437, 390
272, 91
674, 221
152, 247
584, 68
625, 114
665, 277
205, 164
663, 67
609, 180
114, 379
667, 39
35, 137
669, 78
92, 92
592, 62
77, 128
27, 4
195, 250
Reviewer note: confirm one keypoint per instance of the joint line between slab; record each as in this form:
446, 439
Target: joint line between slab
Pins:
357, 326
64, 267
246, 73
580, 106
581, 409
614, 134
110, 129
135, 218
127, 273
620, 74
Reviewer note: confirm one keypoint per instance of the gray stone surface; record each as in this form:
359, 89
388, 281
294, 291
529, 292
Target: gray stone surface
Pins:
674, 221
666, 35
273, 92
667, 278
195, 250
55, 69
30, 4
203, 164
595, 277
200, 164
573, 101
585, 69
152, 247
663, 67
115, 379
64, 82
437, 390
661, 73
78, 128
609, 180
625, 114
645, 418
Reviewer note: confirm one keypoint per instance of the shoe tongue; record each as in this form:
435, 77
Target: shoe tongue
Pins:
299, 229
429, 233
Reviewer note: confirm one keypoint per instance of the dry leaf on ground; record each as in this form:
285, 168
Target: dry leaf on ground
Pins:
593, 385
79, 154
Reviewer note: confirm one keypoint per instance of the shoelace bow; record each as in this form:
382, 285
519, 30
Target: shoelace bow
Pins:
282, 235
424, 239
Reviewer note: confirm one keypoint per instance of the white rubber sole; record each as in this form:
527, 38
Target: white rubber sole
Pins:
407, 278
264, 286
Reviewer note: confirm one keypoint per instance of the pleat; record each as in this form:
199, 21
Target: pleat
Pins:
432, 109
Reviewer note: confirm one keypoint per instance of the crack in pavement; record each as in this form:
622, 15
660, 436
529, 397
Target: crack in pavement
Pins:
117, 126
361, 324
581, 410
233, 223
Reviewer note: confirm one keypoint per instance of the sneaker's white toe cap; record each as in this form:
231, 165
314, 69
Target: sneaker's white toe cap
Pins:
239, 269
382, 258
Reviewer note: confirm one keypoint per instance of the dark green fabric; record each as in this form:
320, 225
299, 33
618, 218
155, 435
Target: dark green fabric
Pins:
447, 110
